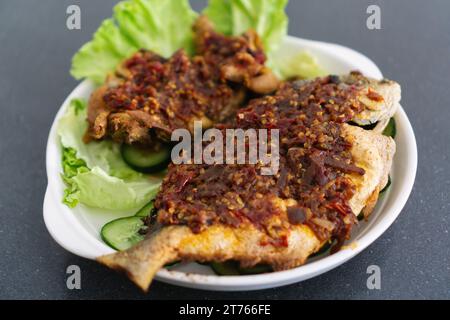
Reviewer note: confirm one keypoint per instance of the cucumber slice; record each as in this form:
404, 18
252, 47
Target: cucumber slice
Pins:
391, 129
232, 268
172, 264
360, 216
123, 233
145, 211
227, 268
387, 185
146, 160
369, 127
258, 269
322, 250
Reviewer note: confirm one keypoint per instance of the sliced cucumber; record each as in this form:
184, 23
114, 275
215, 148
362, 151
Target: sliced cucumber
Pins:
391, 129
123, 233
387, 185
369, 127
172, 264
146, 160
232, 268
227, 268
360, 216
322, 250
145, 211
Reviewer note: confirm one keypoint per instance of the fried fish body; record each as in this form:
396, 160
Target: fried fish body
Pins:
149, 96
372, 151
217, 243
371, 100
380, 98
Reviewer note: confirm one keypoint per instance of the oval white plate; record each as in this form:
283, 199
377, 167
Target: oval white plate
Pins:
77, 230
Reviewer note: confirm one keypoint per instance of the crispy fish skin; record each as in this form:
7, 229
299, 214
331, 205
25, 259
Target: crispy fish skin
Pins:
381, 99
371, 151
374, 153
142, 261
217, 243
98, 113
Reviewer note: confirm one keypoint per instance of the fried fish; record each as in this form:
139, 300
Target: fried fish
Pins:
371, 151
149, 96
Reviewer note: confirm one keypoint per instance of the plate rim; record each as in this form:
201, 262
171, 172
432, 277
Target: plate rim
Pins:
58, 223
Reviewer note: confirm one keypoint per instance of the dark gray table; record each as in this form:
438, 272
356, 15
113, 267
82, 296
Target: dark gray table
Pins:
413, 48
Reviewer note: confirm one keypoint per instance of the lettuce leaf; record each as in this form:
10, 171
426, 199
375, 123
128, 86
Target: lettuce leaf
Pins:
103, 154
269, 20
72, 166
220, 14
162, 26
95, 173
100, 190
266, 17
302, 64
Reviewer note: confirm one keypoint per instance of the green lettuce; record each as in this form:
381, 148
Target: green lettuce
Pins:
303, 65
266, 17
100, 190
72, 166
162, 26
95, 173
103, 154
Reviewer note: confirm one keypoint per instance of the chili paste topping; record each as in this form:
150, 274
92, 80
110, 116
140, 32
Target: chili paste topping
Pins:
152, 94
310, 187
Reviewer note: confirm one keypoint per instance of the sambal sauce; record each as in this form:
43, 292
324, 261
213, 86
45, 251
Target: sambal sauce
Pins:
311, 186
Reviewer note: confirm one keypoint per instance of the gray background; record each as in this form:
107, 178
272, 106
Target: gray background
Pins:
413, 48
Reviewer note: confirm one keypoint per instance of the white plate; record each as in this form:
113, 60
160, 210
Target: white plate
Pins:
77, 230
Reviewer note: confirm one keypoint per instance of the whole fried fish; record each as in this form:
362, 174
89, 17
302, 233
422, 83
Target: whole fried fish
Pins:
371, 151
150, 96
